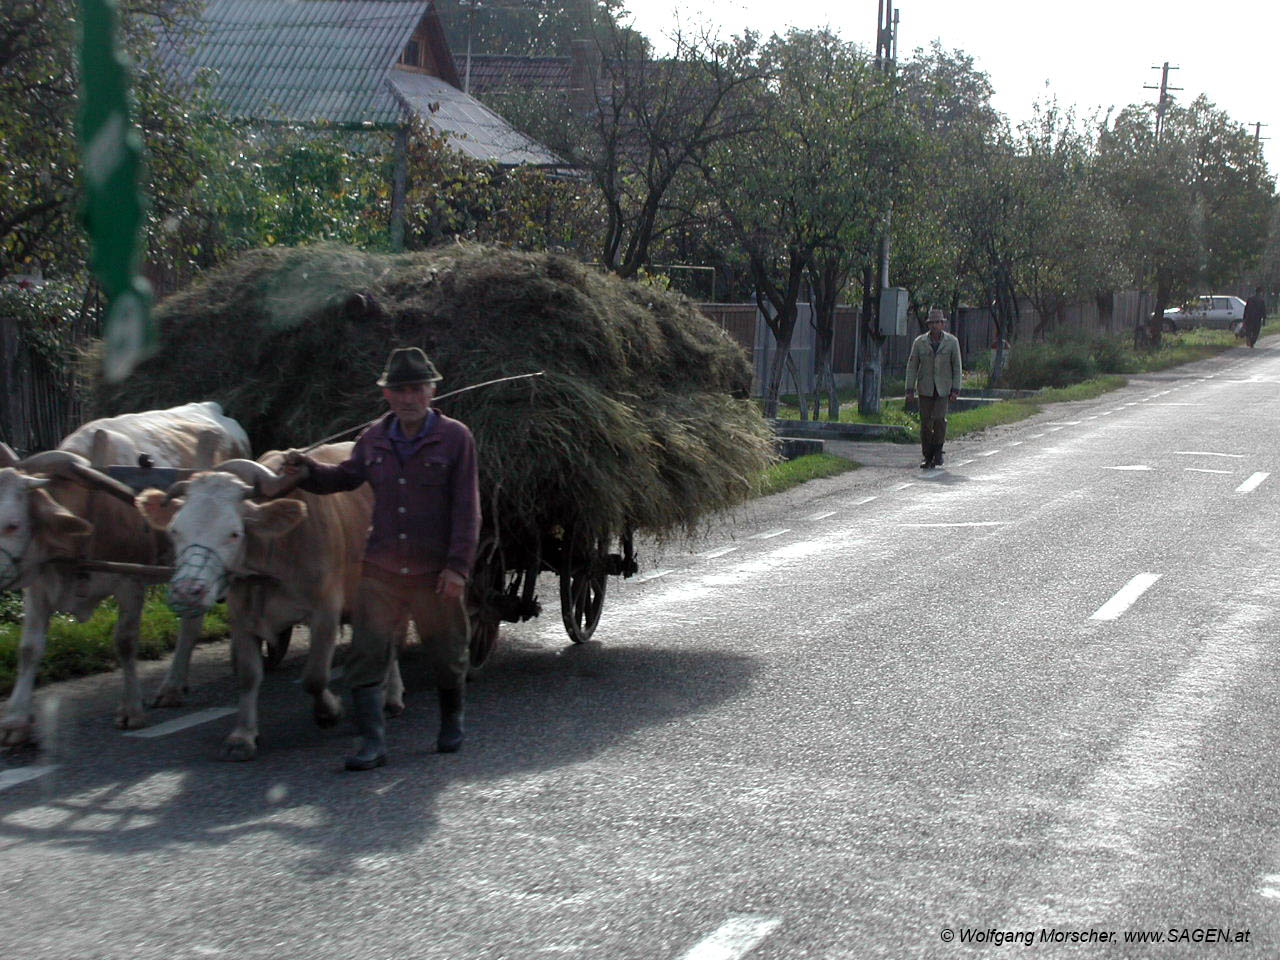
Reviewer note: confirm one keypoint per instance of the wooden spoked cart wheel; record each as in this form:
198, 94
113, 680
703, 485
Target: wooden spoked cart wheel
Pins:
584, 575
498, 593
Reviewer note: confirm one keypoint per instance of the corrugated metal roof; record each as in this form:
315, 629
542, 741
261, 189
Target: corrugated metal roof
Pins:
501, 72
471, 127
304, 61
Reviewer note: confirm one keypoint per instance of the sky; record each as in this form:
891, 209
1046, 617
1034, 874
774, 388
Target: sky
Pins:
1088, 53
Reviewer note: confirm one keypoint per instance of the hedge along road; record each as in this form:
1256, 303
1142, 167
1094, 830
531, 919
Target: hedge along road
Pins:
888, 711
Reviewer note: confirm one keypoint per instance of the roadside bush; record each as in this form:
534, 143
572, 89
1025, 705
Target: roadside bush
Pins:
1035, 365
10, 606
78, 649
1113, 354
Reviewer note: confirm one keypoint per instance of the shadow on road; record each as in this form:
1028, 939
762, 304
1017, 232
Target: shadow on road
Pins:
534, 710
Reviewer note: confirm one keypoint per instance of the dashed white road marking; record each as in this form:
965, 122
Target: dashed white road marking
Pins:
971, 523
1252, 483
181, 723
1207, 453
769, 534
11, 778
1132, 466
858, 503
903, 486
1272, 886
988, 453
1068, 423
735, 938
651, 575
719, 552
1126, 597
820, 516
964, 463
1053, 429
1014, 443
1035, 436
1204, 470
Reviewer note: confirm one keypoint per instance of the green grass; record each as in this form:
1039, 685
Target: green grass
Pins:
791, 473
78, 649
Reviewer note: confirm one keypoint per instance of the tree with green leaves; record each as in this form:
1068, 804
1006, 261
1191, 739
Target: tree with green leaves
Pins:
649, 123
1196, 203
800, 193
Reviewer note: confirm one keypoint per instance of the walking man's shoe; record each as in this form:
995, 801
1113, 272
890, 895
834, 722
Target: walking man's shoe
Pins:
450, 738
370, 724
937, 458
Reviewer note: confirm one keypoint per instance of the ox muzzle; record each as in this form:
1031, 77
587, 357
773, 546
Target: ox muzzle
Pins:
199, 580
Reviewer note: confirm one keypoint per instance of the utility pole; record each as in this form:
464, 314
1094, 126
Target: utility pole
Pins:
1163, 103
1257, 131
872, 367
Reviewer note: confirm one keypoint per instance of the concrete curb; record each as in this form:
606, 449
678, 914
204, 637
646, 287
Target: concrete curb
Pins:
825, 430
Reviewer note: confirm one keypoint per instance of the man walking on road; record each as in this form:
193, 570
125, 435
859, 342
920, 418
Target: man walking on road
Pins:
934, 369
1255, 312
421, 547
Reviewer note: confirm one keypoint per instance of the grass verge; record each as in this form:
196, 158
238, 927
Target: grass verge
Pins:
791, 473
78, 649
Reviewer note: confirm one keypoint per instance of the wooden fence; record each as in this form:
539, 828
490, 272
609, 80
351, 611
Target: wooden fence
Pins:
38, 404
1117, 314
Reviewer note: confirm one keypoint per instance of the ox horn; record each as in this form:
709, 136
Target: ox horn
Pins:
7, 457
72, 466
265, 483
176, 489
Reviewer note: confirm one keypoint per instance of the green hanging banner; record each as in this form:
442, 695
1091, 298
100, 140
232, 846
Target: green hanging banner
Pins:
111, 164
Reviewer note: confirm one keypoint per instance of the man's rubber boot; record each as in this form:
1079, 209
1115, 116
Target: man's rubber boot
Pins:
367, 712
450, 738
937, 455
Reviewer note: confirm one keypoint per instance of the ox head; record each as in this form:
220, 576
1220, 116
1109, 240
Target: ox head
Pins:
33, 526
211, 519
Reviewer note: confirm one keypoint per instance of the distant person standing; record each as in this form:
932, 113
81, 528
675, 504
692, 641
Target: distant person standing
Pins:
935, 371
1255, 312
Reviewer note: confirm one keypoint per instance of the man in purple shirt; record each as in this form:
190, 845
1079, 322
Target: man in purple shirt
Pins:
421, 547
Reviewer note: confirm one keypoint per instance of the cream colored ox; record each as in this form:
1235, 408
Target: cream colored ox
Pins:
57, 509
281, 562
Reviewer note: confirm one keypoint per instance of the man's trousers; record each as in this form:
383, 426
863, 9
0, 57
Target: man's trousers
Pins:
384, 604
933, 424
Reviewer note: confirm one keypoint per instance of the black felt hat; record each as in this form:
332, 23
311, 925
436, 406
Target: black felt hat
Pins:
407, 366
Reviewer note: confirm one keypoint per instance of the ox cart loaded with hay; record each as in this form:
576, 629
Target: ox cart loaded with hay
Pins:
638, 421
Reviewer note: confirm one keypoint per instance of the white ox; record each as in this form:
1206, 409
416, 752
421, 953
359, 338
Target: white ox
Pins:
281, 562
78, 513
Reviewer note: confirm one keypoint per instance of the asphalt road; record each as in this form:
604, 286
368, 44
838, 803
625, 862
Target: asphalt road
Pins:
1031, 695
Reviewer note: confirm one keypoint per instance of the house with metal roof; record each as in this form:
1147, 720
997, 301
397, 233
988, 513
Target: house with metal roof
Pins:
361, 64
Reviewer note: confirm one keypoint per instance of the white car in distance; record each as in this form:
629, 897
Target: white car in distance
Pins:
1216, 312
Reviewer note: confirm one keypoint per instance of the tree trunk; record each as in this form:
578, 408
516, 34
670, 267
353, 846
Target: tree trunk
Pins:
778, 364
802, 399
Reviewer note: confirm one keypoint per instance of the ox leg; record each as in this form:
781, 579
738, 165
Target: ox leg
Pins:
242, 742
18, 724
327, 707
173, 691
394, 705
129, 596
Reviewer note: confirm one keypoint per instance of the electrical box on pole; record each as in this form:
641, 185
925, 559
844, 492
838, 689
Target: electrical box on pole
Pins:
893, 311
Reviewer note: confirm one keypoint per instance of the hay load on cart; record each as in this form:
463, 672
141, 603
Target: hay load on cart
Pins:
640, 422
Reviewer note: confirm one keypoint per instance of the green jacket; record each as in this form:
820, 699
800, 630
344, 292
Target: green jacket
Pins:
928, 372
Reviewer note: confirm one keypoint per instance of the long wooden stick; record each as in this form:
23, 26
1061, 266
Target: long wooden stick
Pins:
443, 396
